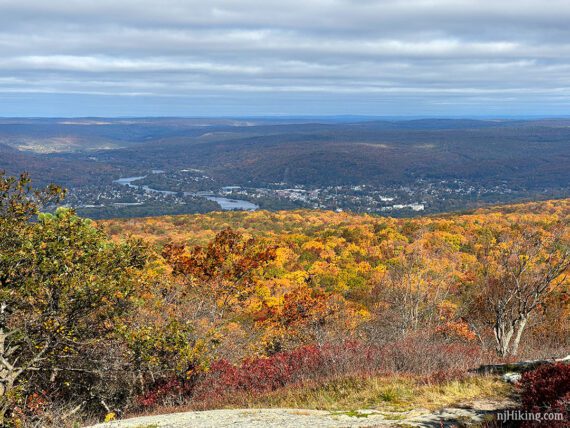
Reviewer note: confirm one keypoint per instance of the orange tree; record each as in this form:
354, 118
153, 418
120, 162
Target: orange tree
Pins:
223, 272
216, 285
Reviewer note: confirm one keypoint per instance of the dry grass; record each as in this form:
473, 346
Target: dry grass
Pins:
381, 393
390, 394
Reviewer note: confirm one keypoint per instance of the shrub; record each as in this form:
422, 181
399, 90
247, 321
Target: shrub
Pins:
165, 391
547, 390
435, 362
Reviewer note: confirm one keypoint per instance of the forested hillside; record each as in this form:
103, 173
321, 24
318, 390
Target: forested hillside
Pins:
400, 168
232, 309
447, 274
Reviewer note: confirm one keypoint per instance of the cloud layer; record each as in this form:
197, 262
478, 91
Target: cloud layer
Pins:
254, 57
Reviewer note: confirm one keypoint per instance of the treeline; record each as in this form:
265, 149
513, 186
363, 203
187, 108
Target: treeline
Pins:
153, 208
94, 326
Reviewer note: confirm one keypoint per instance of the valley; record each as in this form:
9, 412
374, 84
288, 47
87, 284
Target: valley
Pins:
398, 168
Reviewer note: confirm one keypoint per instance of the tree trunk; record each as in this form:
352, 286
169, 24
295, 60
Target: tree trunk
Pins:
503, 336
521, 324
508, 335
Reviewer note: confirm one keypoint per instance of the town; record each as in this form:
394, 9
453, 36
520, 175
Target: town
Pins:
193, 191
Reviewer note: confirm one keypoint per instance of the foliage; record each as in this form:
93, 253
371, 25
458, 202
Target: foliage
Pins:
230, 305
384, 391
451, 275
62, 286
547, 390
256, 376
519, 266
225, 269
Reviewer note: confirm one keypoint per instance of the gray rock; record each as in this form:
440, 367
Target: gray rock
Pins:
520, 367
511, 377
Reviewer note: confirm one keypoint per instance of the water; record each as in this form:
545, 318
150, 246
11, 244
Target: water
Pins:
233, 204
224, 203
128, 180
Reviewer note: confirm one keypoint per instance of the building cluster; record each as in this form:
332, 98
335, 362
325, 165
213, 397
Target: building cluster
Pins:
419, 196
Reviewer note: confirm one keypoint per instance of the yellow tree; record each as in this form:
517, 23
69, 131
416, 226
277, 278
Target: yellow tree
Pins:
520, 265
420, 277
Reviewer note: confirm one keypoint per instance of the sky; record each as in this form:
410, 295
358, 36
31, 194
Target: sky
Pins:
288, 57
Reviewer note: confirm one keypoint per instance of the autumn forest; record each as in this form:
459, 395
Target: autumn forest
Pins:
129, 316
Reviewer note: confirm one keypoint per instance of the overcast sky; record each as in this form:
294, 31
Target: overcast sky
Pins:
296, 57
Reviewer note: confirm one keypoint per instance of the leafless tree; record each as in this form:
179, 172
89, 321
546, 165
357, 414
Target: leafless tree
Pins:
519, 270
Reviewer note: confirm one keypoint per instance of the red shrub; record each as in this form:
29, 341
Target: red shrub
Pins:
166, 390
436, 362
260, 374
547, 390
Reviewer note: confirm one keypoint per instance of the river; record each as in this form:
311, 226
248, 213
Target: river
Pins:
224, 203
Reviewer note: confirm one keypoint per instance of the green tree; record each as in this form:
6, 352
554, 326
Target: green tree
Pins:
63, 285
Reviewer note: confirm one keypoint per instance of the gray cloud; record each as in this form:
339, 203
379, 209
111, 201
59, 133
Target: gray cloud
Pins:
272, 57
